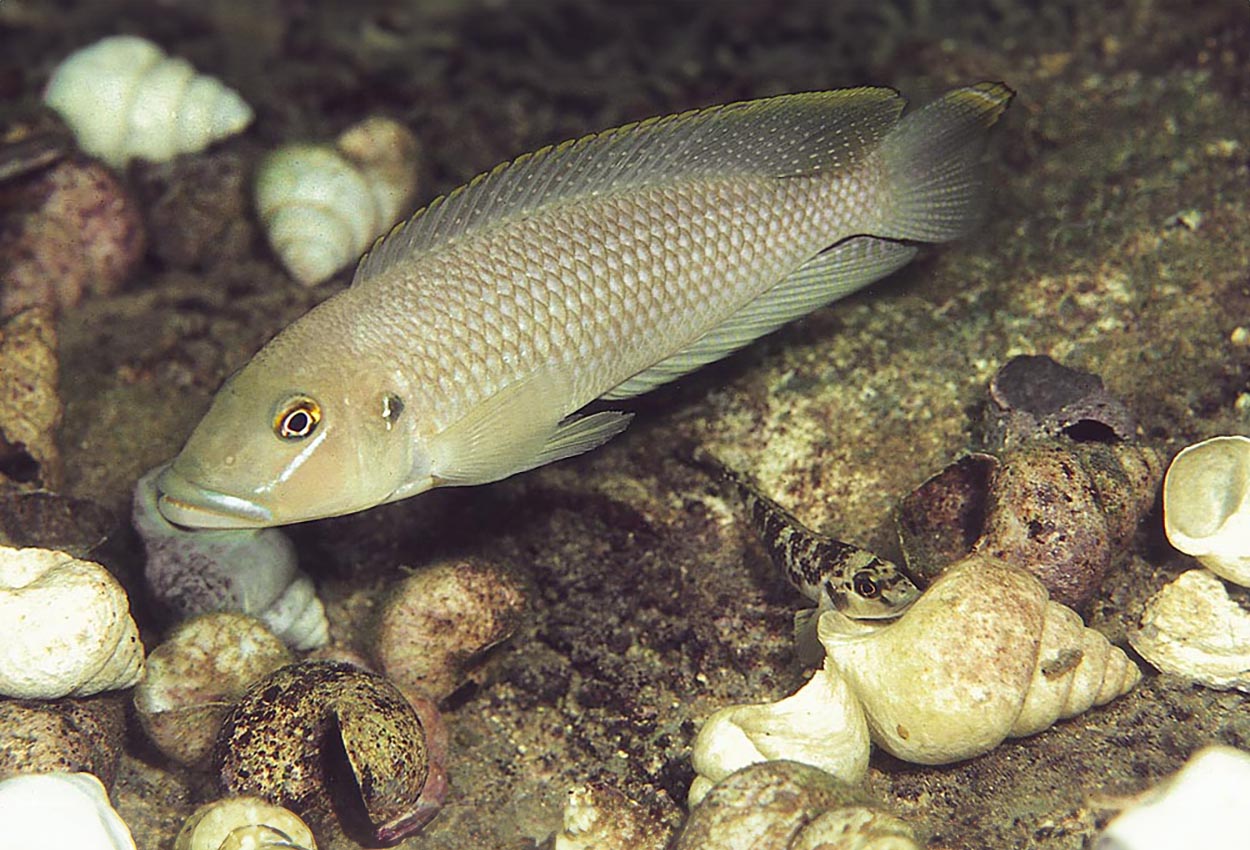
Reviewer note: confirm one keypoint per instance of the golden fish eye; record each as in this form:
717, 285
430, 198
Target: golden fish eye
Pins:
297, 418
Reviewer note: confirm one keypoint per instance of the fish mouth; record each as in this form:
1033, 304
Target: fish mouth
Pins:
188, 504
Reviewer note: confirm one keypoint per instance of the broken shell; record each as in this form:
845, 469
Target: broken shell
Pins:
313, 734
251, 571
1034, 396
60, 811
1059, 509
437, 624
65, 627
821, 724
244, 823
783, 805
1202, 805
322, 206
983, 655
63, 736
30, 408
1206, 505
1063, 510
598, 817
1191, 628
123, 97
76, 229
197, 674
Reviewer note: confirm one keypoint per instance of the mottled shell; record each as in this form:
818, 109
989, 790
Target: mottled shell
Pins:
436, 624
307, 733
599, 817
783, 805
65, 627
1060, 509
197, 674
60, 810
123, 97
322, 206
30, 407
1191, 628
1206, 505
822, 725
983, 655
63, 736
254, 572
75, 229
244, 823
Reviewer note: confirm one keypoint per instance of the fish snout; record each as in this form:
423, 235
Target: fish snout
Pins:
183, 502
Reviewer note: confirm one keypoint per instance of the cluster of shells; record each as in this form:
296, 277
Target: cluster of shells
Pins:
74, 226
1007, 542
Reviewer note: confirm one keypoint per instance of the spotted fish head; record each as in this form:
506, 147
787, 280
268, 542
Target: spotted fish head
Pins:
873, 590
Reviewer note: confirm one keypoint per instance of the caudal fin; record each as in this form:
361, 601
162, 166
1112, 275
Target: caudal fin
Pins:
932, 157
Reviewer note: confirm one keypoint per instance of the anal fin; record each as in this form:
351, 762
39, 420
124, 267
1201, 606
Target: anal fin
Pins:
830, 275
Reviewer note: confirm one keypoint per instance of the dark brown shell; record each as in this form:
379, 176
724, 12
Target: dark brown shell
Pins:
332, 743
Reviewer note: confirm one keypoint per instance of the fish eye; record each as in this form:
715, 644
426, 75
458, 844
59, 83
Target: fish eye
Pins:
865, 586
297, 418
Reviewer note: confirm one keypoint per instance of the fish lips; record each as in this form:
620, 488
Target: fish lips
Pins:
185, 503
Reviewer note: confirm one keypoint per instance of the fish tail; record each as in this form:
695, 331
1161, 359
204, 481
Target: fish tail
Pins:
932, 162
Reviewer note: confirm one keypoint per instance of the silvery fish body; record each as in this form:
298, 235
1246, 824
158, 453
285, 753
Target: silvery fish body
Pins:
473, 335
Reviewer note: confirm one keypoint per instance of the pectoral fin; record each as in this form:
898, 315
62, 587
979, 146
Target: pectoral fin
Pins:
518, 428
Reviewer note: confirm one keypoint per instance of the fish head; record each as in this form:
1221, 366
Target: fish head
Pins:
872, 590
282, 445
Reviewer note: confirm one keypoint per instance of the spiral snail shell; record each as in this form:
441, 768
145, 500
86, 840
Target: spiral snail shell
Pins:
123, 97
244, 823
65, 627
983, 655
1206, 505
322, 206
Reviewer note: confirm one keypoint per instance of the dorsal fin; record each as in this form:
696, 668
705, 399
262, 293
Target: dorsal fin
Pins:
787, 135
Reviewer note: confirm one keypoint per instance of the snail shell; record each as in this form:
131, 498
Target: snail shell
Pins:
123, 97
194, 677
251, 571
63, 736
821, 724
1191, 628
784, 805
65, 627
60, 810
983, 655
322, 206
1206, 505
437, 624
244, 823
306, 734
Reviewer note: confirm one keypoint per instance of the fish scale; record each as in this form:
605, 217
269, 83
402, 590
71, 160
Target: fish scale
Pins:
474, 335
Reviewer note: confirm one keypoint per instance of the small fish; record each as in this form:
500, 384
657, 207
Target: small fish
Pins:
835, 575
473, 336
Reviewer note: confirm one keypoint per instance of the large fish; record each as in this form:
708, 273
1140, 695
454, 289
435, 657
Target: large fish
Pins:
600, 268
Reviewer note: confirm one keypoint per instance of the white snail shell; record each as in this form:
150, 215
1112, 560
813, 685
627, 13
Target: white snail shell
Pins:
60, 811
1191, 628
322, 206
65, 627
1206, 505
123, 97
821, 724
1203, 805
983, 655
244, 823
